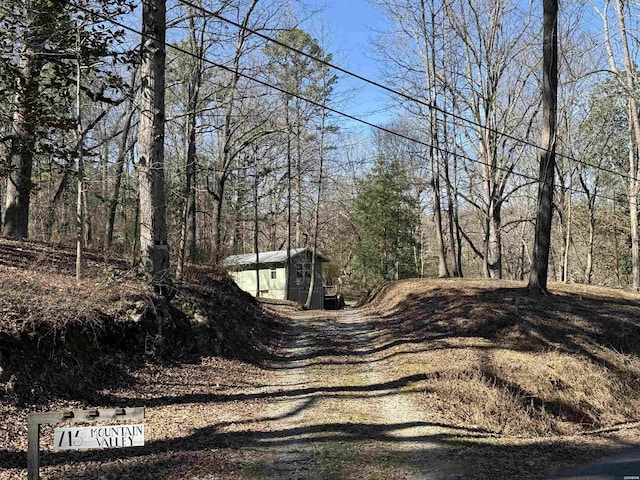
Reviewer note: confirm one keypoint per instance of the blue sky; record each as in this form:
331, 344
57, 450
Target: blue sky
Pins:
352, 24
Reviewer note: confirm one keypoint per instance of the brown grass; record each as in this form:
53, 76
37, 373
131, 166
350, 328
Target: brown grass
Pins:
514, 364
66, 338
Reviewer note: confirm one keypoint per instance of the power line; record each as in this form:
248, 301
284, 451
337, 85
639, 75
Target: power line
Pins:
406, 96
298, 96
508, 170
356, 76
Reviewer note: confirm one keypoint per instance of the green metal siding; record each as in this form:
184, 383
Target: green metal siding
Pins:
274, 288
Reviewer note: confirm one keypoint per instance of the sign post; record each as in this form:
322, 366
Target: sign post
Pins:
76, 438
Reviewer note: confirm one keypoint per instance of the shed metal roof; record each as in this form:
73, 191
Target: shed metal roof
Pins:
276, 256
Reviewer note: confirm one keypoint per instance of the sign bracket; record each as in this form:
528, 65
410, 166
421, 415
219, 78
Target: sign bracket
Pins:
69, 417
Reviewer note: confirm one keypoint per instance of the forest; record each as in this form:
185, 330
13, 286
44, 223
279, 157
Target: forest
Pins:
190, 130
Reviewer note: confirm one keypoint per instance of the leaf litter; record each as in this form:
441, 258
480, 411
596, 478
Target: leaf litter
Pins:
431, 379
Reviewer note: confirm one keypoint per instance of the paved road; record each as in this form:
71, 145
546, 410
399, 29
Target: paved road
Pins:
625, 466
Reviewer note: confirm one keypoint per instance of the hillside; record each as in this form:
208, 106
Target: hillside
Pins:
65, 339
513, 364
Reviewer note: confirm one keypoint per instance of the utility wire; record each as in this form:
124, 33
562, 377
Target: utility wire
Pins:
356, 76
394, 91
323, 106
300, 97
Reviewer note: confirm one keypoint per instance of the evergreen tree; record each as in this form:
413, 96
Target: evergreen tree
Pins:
386, 218
153, 206
300, 77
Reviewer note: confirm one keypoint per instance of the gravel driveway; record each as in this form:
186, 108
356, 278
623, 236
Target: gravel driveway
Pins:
335, 403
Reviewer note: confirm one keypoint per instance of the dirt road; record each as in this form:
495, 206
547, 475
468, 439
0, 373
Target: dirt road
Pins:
342, 400
341, 415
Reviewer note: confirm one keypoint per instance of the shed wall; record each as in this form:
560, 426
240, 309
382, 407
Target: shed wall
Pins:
269, 287
299, 280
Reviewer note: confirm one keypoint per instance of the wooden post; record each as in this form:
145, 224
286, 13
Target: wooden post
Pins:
33, 451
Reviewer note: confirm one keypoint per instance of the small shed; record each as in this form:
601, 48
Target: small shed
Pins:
275, 275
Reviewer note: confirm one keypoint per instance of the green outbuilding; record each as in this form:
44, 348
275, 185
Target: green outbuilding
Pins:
268, 275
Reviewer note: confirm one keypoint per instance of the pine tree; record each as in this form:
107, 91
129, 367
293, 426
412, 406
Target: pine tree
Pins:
386, 217
299, 77
153, 205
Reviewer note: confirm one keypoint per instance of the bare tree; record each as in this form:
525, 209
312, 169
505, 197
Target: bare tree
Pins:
326, 85
124, 147
237, 131
470, 51
542, 240
493, 92
196, 65
417, 63
633, 183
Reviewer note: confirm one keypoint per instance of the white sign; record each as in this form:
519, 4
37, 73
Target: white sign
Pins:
104, 436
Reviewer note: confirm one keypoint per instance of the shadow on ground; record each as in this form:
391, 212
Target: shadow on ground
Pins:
464, 454
600, 330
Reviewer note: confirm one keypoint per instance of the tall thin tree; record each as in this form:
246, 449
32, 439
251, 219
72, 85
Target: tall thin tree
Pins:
153, 216
79, 140
542, 241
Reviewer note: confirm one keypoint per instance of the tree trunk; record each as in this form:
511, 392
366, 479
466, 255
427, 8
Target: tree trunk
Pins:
88, 225
228, 130
616, 246
242, 179
19, 184
452, 211
136, 233
451, 223
153, 217
298, 223
542, 240
117, 184
634, 146
316, 220
521, 261
256, 222
633, 221
120, 161
443, 270
567, 239
188, 227
494, 252
485, 250
80, 205
51, 209
431, 71
588, 271
456, 221
493, 221
218, 207
288, 268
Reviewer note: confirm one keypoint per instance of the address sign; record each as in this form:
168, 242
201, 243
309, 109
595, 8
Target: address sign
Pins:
81, 437
103, 436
